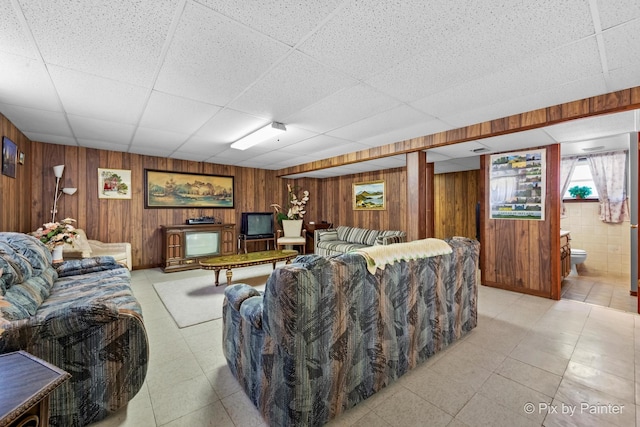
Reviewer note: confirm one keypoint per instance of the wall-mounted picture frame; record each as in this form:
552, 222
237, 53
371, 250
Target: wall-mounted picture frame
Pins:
21, 158
369, 196
166, 189
114, 183
9, 157
517, 186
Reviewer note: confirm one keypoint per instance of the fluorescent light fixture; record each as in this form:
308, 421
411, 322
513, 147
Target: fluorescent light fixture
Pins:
262, 134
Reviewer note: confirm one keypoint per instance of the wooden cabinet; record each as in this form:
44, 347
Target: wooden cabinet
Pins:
184, 246
565, 254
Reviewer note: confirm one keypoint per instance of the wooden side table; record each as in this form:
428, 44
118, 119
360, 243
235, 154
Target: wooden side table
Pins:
311, 227
25, 385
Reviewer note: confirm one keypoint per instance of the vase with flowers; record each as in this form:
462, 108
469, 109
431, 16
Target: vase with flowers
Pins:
56, 234
291, 222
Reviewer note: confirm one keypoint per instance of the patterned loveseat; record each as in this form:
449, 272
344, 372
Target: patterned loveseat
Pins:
340, 240
81, 317
326, 333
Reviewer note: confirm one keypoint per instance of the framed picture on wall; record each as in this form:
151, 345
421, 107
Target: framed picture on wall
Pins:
517, 185
368, 196
166, 189
114, 183
9, 157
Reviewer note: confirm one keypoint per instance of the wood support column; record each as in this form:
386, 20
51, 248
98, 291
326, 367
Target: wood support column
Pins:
419, 196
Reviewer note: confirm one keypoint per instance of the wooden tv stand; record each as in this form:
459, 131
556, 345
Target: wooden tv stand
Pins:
173, 245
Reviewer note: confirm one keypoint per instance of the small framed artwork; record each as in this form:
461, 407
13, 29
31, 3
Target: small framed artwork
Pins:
9, 155
166, 189
517, 185
21, 158
114, 184
369, 196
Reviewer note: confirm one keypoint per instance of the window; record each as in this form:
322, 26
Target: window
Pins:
582, 177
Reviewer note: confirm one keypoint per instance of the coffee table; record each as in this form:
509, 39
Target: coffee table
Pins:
245, 260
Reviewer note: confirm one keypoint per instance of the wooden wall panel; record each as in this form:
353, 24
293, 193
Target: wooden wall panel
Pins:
337, 201
523, 255
15, 197
456, 195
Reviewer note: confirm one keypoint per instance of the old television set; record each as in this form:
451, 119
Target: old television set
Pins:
257, 225
201, 243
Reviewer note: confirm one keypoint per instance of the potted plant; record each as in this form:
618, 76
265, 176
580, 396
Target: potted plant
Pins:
580, 192
295, 212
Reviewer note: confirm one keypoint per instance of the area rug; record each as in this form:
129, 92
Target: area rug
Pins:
196, 299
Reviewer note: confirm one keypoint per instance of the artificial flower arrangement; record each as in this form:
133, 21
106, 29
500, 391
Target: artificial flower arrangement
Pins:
54, 234
296, 206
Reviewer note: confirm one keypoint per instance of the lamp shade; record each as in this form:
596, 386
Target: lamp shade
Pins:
69, 191
266, 132
57, 171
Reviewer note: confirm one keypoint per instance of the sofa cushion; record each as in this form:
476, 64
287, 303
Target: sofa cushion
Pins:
357, 235
339, 246
328, 235
23, 299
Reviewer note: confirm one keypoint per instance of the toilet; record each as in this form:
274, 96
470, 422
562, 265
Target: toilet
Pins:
578, 256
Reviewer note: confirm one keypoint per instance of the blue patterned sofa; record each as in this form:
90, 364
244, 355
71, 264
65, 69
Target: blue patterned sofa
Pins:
326, 333
342, 239
81, 317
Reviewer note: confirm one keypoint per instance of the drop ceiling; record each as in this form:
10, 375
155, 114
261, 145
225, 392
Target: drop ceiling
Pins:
184, 79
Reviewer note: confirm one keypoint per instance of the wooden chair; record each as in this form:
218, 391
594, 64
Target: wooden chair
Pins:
301, 240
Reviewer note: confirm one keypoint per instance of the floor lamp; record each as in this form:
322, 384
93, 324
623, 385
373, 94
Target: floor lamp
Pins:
57, 171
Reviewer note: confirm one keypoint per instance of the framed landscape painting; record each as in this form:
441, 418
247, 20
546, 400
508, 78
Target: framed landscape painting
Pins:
368, 196
114, 184
165, 189
9, 156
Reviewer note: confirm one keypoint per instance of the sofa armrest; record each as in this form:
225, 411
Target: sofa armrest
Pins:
238, 293
87, 265
388, 240
326, 234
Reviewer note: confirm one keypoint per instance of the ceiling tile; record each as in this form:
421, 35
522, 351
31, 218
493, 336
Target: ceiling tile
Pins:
103, 145
51, 139
381, 123
622, 45
292, 85
316, 144
147, 137
609, 143
212, 59
342, 108
283, 20
616, 12
593, 128
87, 128
204, 146
38, 121
121, 40
91, 96
381, 34
13, 37
176, 114
25, 82
230, 125
408, 131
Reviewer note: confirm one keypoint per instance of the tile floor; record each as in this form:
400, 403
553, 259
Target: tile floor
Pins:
606, 290
530, 362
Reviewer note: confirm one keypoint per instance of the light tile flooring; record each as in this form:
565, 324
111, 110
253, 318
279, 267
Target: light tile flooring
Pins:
600, 289
530, 362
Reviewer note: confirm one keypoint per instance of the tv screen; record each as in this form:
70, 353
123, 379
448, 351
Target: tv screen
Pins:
257, 225
201, 243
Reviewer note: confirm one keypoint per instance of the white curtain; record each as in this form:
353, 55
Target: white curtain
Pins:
609, 176
567, 165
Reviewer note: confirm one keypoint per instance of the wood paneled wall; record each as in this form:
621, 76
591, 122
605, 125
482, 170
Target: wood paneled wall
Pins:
128, 220
15, 194
337, 201
455, 197
523, 255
